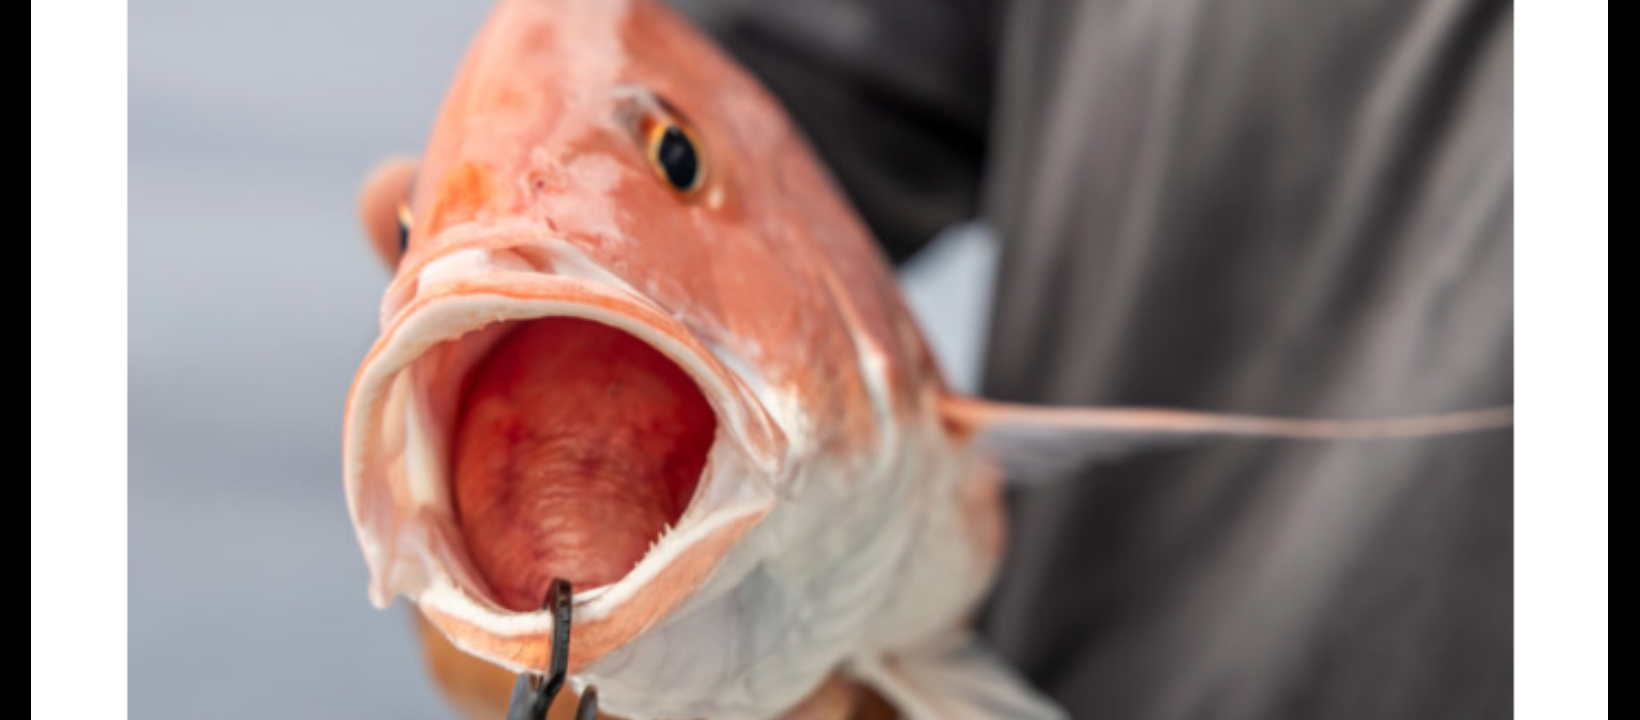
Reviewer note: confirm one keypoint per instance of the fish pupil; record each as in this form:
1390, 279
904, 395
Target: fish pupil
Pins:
404, 229
677, 158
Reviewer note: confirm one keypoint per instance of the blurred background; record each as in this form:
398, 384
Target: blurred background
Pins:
253, 298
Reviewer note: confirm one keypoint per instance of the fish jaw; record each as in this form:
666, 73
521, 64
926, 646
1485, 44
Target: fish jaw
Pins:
440, 320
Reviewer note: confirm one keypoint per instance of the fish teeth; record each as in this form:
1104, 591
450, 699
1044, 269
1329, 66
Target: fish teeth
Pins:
666, 529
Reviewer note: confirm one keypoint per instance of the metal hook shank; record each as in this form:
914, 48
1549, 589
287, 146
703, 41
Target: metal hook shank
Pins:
533, 693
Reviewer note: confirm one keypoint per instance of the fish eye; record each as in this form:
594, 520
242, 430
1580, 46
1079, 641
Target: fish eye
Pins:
384, 208
406, 222
675, 155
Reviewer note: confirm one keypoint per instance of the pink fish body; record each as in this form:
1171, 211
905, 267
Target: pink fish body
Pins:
638, 340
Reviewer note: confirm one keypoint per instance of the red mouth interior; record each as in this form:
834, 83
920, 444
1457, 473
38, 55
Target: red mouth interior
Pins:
575, 446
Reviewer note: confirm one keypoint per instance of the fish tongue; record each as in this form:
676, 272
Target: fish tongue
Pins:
577, 445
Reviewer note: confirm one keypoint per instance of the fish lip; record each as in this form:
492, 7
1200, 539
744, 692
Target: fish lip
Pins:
408, 546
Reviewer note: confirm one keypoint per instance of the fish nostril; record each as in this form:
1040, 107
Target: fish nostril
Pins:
540, 181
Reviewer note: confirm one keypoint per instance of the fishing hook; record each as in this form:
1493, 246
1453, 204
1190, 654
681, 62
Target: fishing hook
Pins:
533, 692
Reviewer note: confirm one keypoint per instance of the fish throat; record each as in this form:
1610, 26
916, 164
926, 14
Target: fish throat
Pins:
575, 447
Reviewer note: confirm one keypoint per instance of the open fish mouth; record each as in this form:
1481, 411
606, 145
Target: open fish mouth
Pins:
518, 422
575, 446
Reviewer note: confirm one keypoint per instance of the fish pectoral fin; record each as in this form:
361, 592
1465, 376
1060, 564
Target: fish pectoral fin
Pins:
959, 679
1034, 442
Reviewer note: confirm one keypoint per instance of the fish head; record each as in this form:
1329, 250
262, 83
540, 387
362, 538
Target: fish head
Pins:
618, 304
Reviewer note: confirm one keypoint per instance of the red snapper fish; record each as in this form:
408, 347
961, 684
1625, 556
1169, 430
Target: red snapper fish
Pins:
637, 340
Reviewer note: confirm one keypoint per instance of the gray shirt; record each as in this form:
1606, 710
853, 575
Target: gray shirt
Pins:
1268, 206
